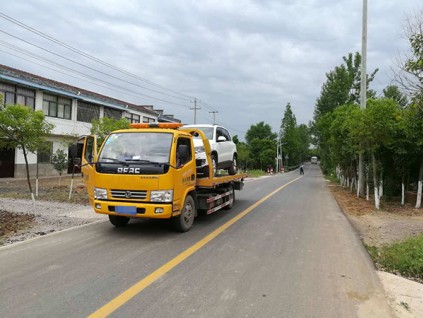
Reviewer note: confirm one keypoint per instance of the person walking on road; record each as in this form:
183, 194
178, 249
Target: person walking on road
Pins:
301, 169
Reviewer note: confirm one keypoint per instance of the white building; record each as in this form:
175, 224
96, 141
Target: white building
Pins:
70, 109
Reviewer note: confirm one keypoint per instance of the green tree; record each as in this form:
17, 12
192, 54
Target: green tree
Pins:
392, 91
343, 147
342, 86
304, 137
259, 150
414, 129
373, 130
410, 77
25, 129
260, 131
60, 162
410, 74
104, 126
243, 154
289, 135
260, 138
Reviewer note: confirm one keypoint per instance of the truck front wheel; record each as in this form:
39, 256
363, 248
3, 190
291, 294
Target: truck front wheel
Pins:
184, 221
118, 221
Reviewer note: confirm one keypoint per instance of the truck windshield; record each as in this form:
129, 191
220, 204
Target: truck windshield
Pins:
137, 147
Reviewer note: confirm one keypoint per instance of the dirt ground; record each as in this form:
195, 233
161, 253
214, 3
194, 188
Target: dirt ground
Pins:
391, 223
13, 226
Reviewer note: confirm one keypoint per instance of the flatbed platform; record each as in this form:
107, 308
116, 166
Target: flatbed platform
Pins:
219, 180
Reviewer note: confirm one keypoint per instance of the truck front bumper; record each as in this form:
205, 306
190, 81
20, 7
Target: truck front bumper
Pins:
134, 210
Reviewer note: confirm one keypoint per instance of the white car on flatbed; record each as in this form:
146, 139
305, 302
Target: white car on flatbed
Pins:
223, 150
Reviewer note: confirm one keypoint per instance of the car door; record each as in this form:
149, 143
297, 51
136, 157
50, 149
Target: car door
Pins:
224, 148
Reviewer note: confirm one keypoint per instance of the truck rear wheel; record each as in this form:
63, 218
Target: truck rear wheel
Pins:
184, 221
231, 196
118, 220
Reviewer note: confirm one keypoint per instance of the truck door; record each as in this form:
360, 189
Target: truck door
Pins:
184, 177
89, 157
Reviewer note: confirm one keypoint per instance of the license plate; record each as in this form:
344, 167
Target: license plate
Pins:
126, 209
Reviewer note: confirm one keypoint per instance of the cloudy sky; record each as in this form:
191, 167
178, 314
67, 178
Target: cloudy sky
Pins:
243, 59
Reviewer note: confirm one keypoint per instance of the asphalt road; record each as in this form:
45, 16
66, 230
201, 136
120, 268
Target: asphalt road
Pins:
292, 255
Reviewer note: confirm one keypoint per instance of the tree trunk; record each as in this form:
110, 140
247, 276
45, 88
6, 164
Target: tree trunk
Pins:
27, 173
402, 190
367, 185
36, 181
375, 181
381, 184
419, 187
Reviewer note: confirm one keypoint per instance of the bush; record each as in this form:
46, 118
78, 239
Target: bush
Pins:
405, 258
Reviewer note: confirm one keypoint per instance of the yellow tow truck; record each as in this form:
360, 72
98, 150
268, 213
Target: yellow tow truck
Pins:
149, 171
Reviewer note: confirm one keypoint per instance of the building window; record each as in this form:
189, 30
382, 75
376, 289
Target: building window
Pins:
55, 106
45, 152
87, 112
133, 118
17, 95
112, 113
148, 120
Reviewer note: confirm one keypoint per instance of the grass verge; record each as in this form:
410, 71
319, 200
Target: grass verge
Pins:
256, 173
404, 258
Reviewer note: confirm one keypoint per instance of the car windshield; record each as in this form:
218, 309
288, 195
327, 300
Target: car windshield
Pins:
137, 146
208, 131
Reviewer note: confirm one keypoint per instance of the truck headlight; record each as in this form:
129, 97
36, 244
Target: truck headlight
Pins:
100, 194
161, 196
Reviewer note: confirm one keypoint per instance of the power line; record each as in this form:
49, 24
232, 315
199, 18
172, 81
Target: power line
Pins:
112, 88
32, 55
90, 68
93, 58
214, 116
195, 108
97, 60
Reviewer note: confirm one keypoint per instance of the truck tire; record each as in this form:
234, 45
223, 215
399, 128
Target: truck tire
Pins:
184, 221
118, 220
229, 206
233, 169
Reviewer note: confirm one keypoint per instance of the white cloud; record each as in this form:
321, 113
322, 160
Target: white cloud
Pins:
247, 59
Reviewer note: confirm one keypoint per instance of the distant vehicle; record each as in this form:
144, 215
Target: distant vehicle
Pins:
223, 149
314, 160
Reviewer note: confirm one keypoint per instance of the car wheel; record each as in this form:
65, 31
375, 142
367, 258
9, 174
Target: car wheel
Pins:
184, 221
214, 163
118, 220
233, 169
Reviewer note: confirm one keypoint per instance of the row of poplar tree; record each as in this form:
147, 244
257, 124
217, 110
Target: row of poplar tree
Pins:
388, 132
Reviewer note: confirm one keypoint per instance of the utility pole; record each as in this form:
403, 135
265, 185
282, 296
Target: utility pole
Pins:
363, 91
195, 110
214, 116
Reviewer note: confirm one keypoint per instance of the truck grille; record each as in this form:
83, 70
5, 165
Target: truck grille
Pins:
129, 194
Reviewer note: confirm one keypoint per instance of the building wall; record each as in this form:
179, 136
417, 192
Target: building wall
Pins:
63, 129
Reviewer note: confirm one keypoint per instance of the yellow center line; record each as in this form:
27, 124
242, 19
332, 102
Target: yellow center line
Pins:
131, 292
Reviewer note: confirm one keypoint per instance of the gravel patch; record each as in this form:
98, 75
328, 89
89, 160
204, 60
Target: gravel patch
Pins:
48, 217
